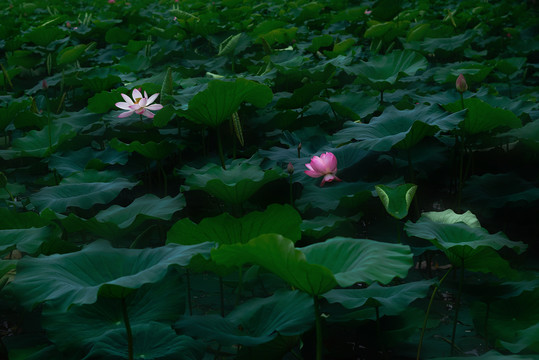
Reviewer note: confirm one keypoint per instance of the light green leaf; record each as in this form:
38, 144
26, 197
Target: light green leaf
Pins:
397, 200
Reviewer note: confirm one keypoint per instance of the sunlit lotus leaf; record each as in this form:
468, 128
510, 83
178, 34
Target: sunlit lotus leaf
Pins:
360, 260
256, 321
471, 247
146, 206
234, 185
512, 323
222, 98
450, 217
482, 117
495, 191
69, 162
83, 195
36, 142
25, 240
82, 326
226, 229
397, 200
98, 269
152, 340
399, 128
383, 71
278, 255
392, 300
150, 150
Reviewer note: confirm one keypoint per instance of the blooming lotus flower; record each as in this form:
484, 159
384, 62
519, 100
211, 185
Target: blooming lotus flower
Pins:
325, 165
461, 84
140, 104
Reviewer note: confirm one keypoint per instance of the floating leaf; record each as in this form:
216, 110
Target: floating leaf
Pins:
278, 255
234, 185
383, 71
84, 195
256, 321
98, 269
392, 300
226, 229
397, 200
222, 98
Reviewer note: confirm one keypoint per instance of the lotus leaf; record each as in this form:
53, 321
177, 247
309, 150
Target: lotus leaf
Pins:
256, 321
397, 200
226, 229
98, 269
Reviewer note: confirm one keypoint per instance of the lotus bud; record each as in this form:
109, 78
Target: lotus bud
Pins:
299, 150
461, 84
290, 168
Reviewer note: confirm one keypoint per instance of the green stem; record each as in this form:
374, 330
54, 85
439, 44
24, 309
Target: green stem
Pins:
189, 301
461, 170
220, 148
318, 325
428, 311
240, 285
291, 192
128, 330
457, 308
462, 101
222, 296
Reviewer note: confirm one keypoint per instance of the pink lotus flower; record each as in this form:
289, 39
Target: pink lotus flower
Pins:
325, 165
140, 105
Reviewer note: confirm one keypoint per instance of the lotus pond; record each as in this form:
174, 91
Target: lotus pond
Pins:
269, 180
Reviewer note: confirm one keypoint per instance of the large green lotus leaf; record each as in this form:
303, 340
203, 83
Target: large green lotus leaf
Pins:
256, 321
483, 117
526, 339
354, 105
330, 196
222, 98
400, 128
153, 340
83, 325
84, 195
397, 200
44, 35
450, 217
511, 322
226, 229
278, 255
147, 206
458, 234
392, 300
474, 73
36, 142
11, 219
234, 185
25, 240
491, 355
382, 71
360, 260
150, 150
69, 162
453, 43
320, 226
493, 191
529, 132
98, 269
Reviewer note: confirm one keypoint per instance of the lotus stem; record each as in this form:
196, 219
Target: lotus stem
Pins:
220, 148
457, 307
189, 302
428, 311
291, 191
318, 325
128, 330
222, 296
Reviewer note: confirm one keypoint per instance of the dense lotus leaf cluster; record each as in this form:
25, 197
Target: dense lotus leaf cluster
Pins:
162, 163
